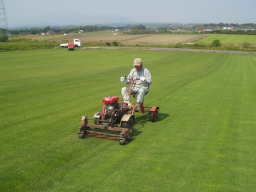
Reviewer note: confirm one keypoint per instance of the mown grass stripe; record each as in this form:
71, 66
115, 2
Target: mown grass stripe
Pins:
203, 141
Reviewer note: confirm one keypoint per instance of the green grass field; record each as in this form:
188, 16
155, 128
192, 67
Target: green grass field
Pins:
26, 45
204, 139
229, 39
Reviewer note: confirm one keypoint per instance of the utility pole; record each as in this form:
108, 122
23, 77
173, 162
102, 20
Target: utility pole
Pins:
3, 19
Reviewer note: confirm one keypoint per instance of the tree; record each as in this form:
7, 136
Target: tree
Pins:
3, 38
138, 27
216, 43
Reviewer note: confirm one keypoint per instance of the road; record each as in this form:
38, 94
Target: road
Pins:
172, 49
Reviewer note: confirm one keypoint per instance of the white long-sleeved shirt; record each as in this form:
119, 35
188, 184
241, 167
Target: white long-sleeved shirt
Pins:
135, 75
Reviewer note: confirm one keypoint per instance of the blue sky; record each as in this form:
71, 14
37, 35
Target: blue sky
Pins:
83, 12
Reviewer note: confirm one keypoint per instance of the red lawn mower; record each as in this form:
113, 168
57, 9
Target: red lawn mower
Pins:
115, 120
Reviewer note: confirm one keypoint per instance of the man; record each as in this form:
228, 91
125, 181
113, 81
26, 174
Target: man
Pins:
140, 79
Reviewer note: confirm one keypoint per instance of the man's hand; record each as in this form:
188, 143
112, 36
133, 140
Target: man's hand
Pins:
142, 78
123, 79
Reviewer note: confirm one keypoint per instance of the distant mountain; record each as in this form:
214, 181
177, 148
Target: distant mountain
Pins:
63, 19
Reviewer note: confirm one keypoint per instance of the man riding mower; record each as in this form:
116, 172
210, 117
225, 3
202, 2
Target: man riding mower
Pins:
116, 120
139, 79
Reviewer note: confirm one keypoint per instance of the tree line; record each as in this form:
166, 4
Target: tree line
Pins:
247, 28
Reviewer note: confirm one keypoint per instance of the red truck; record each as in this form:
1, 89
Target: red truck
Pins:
71, 46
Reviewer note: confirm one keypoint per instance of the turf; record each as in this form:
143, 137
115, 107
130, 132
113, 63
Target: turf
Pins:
204, 139
26, 45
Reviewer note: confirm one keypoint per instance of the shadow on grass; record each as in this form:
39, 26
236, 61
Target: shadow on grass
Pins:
143, 119
162, 116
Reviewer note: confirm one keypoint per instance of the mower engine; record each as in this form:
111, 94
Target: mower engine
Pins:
111, 112
110, 108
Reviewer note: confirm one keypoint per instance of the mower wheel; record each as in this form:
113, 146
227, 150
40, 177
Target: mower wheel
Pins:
81, 135
129, 137
122, 141
128, 124
153, 115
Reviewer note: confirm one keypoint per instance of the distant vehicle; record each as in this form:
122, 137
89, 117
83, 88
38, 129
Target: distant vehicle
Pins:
77, 43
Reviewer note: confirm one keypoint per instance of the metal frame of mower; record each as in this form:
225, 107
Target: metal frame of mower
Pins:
120, 128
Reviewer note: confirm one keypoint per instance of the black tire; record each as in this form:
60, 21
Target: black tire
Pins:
128, 124
81, 135
153, 116
122, 141
129, 138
